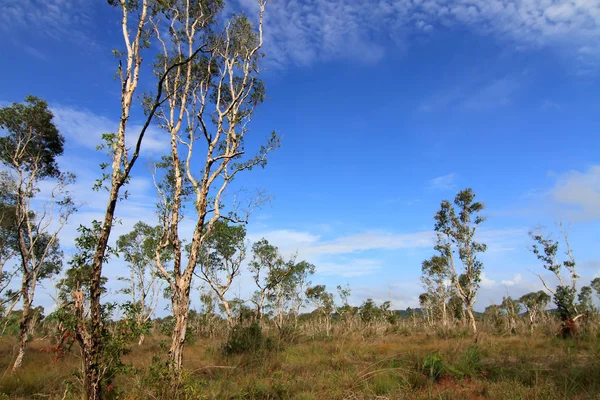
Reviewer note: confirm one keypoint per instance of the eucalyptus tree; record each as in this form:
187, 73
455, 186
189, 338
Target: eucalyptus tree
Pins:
546, 250
456, 226
143, 284
28, 151
220, 260
535, 303
210, 103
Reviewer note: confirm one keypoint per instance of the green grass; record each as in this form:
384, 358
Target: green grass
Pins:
394, 366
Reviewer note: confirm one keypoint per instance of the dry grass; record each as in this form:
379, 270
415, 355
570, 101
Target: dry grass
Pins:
388, 367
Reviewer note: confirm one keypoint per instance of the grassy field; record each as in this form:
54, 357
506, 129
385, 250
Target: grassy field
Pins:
392, 366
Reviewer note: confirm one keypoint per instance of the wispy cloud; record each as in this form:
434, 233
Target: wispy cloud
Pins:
353, 268
475, 95
86, 128
35, 53
577, 194
493, 95
57, 19
444, 182
303, 31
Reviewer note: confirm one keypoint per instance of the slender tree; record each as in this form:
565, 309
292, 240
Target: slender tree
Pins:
29, 151
456, 227
210, 103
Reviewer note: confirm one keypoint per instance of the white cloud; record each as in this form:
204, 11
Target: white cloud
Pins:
353, 268
577, 194
515, 281
495, 94
474, 94
58, 19
86, 128
444, 182
303, 31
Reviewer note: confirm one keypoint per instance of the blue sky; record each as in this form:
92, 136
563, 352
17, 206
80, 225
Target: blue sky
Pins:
385, 108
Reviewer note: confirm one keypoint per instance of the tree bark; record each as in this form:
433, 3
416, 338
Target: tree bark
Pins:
472, 319
180, 305
25, 321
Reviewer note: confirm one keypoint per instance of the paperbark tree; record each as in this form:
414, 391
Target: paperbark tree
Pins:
144, 288
456, 227
29, 151
137, 35
211, 101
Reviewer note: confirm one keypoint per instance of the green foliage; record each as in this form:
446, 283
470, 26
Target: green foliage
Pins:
322, 300
433, 366
33, 141
546, 251
456, 226
244, 339
585, 299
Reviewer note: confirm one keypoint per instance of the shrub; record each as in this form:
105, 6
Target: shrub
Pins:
243, 339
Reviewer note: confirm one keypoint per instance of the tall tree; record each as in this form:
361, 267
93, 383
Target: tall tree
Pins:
29, 151
143, 286
456, 226
137, 35
211, 101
